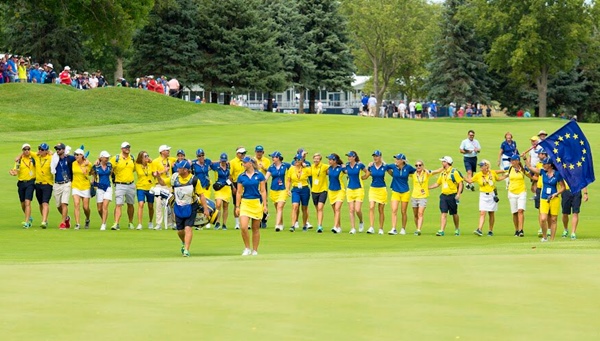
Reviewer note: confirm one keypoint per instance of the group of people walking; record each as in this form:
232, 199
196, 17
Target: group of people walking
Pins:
249, 183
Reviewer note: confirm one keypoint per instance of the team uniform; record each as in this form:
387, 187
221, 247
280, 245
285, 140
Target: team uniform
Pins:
539, 185
201, 171
486, 190
400, 189
551, 206
26, 176
299, 184
508, 150
43, 178
222, 177
145, 181
186, 191
355, 190
62, 180
277, 192
81, 181
449, 180
123, 168
517, 193
237, 168
102, 182
420, 191
251, 205
336, 190
263, 164
319, 183
378, 190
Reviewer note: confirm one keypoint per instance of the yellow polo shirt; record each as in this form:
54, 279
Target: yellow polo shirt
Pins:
421, 184
263, 164
237, 168
298, 177
486, 182
164, 166
516, 180
81, 180
123, 169
540, 182
27, 168
319, 180
42, 169
445, 180
145, 179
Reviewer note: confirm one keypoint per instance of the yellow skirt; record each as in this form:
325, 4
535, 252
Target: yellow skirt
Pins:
378, 194
278, 196
355, 195
551, 208
224, 194
336, 196
404, 197
251, 208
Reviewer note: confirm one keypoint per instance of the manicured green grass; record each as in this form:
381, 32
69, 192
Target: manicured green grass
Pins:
71, 285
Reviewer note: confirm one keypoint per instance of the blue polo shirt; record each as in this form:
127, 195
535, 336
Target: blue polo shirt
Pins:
550, 183
64, 169
201, 172
334, 178
509, 149
103, 176
400, 177
377, 175
222, 174
354, 175
251, 185
278, 175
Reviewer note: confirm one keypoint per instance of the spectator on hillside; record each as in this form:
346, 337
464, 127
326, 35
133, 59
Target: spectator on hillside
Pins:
372, 103
391, 110
451, 109
93, 81
418, 109
3, 74
319, 107
412, 108
12, 69
460, 113
65, 76
401, 112
520, 113
527, 114
275, 105
51, 75
173, 87
433, 109
151, 84
35, 74
22, 71
365, 105
488, 111
101, 79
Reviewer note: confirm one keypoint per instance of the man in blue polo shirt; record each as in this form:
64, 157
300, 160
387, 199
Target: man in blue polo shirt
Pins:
62, 168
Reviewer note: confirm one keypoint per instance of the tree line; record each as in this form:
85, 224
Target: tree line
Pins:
537, 54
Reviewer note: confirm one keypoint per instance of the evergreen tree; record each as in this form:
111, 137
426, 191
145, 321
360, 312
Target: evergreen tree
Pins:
458, 72
168, 44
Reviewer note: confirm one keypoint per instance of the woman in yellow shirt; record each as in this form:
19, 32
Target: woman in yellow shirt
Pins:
517, 192
488, 195
420, 193
296, 185
145, 181
80, 187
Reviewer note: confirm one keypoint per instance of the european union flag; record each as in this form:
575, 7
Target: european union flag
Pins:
570, 151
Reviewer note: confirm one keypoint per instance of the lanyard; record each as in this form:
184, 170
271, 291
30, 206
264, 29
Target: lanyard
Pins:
421, 180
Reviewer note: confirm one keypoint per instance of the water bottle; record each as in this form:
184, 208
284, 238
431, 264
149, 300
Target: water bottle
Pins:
457, 201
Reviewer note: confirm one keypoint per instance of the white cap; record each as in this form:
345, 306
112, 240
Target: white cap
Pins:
125, 144
241, 150
25, 145
50, 65
447, 159
163, 147
78, 151
104, 153
67, 68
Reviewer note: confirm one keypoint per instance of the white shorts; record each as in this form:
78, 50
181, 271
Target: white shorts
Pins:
517, 201
61, 193
418, 202
505, 162
81, 193
125, 194
487, 203
104, 195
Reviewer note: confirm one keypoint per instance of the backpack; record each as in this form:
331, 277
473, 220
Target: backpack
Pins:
184, 211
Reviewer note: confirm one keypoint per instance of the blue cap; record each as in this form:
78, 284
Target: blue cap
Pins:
298, 157
60, 146
300, 151
247, 159
44, 146
542, 151
259, 148
351, 153
180, 151
223, 156
199, 152
376, 153
515, 157
276, 154
183, 164
332, 157
547, 161
400, 157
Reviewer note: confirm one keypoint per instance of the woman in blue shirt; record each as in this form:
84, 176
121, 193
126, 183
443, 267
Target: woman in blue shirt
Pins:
400, 172
355, 193
508, 148
251, 196
335, 191
554, 185
378, 190
277, 192
101, 174
222, 187
201, 169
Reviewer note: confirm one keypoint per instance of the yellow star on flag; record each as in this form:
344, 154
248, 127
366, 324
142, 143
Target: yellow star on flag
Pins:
567, 135
556, 143
579, 164
560, 138
564, 165
575, 136
583, 158
584, 151
581, 142
571, 166
555, 151
559, 160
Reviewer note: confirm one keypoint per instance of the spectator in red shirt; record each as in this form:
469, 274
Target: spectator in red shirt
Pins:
65, 76
520, 113
151, 83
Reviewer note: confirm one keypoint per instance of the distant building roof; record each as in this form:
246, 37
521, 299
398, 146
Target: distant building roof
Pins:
359, 82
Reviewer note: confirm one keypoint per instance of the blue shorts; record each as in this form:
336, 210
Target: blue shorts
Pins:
470, 164
301, 195
448, 204
571, 203
145, 196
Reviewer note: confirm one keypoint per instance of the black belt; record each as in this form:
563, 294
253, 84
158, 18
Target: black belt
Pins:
123, 183
42, 183
487, 193
30, 180
63, 182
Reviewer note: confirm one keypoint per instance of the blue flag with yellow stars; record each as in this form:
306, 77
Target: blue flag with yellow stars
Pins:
570, 151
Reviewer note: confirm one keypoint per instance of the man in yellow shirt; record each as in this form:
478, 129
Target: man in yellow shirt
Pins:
237, 168
43, 180
452, 186
25, 172
163, 167
123, 169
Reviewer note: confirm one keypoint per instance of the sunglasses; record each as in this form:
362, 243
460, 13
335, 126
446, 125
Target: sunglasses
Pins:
27, 149
57, 149
419, 165
200, 155
146, 155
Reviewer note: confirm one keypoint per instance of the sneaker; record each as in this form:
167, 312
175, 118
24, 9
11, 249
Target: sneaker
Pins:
393, 232
25, 225
237, 227
380, 231
278, 228
353, 231
68, 222
319, 229
207, 226
150, 226
338, 230
296, 225
490, 234
217, 226
540, 234
440, 233
115, 227
457, 232
565, 233
305, 228
77, 226
292, 229
62, 226
371, 230
224, 227
87, 224
472, 188
139, 227
543, 240
255, 253
182, 248
361, 227
186, 253
478, 232
521, 234
403, 231
130, 225
517, 233
309, 225
247, 252
573, 236
103, 227
44, 225
334, 230
30, 221
417, 233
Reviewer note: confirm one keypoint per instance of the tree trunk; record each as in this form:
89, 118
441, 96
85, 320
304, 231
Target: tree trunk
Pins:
119, 70
206, 96
301, 102
226, 97
214, 97
269, 102
312, 95
542, 89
